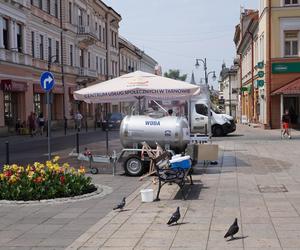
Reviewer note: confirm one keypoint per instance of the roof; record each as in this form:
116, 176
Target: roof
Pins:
292, 87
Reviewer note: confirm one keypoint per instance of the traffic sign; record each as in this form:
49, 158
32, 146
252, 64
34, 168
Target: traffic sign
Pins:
47, 81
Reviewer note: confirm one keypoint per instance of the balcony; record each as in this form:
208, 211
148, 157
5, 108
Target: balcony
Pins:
86, 37
13, 56
86, 75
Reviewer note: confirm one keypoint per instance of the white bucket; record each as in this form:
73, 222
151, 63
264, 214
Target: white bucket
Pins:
147, 195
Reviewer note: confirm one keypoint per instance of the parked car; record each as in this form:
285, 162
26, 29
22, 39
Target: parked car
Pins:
112, 121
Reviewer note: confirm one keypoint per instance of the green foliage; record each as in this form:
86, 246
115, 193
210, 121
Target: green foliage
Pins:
43, 181
175, 74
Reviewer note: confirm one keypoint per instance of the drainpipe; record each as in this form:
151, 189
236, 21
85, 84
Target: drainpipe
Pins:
62, 68
241, 85
269, 52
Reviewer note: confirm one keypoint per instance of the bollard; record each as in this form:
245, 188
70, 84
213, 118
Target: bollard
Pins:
65, 125
77, 143
106, 134
7, 152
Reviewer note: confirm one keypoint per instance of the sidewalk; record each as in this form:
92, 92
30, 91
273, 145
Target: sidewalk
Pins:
54, 134
257, 181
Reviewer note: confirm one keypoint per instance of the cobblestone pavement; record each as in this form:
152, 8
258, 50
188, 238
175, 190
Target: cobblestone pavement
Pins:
56, 226
257, 180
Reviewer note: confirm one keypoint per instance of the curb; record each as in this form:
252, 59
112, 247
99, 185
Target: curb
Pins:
101, 191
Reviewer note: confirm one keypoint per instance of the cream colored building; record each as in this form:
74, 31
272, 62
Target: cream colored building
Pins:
82, 49
268, 43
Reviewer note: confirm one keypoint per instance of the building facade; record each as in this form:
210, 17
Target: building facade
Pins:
229, 89
76, 40
275, 57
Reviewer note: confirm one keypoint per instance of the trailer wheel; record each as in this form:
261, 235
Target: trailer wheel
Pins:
133, 166
94, 171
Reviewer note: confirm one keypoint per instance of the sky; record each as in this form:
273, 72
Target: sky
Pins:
176, 32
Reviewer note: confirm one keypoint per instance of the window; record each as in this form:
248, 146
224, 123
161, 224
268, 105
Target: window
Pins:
101, 66
96, 26
80, 19
37, 103
81, 58
104, 63
113, 67
41, 4
291, 43
49, 6
71, 55
70, 12
89, 59
8, 107
41, 47
5, 33
291, 2
201, 109
49, 50
19, 38
88, 20
100, 31
56, 8
57, 51
104, 35
32, 44
97, 64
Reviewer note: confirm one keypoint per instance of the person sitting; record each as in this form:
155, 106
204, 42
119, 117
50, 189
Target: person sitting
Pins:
170, 112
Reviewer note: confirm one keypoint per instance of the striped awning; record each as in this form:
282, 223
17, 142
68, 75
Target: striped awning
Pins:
291, 88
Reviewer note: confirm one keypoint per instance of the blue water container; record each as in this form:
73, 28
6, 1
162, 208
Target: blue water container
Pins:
181, 162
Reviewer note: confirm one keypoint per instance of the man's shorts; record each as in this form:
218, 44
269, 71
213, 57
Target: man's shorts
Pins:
285, 125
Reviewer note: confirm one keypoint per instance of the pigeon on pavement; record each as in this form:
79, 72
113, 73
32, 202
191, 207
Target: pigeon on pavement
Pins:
234, 228
120, 205
175, 217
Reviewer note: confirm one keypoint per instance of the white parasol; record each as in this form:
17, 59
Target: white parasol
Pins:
135, 85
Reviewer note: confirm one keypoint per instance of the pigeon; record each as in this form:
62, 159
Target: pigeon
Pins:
234, 228
174, 218
120, 205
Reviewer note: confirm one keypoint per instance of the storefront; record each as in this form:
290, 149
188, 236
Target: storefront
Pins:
13, 103
290, 101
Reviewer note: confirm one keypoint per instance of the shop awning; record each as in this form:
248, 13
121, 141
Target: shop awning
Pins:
291, 88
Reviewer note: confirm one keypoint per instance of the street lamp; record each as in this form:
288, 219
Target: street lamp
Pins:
50, 61
208, 93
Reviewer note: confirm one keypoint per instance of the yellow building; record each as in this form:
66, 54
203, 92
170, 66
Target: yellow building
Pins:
274, 68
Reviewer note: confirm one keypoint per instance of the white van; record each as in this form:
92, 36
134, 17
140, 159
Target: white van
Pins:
222, 124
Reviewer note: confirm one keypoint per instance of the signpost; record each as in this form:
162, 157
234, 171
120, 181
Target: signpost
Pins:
47, 82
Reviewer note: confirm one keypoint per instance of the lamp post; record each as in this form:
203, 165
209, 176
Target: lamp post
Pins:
208, 93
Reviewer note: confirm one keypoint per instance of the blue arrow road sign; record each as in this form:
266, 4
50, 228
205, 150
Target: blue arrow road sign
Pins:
47, 81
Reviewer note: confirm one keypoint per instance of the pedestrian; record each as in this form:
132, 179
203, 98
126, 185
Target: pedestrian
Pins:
286, 120
41, 123
18, 127
170, 112
78, 117
32, 124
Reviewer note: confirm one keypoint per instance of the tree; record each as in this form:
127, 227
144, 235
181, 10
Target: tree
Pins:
175, 74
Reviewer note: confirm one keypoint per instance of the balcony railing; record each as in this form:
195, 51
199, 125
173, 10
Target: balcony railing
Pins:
15, 57
84, 72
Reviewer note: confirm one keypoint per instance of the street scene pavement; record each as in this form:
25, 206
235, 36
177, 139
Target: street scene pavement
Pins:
256, 180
